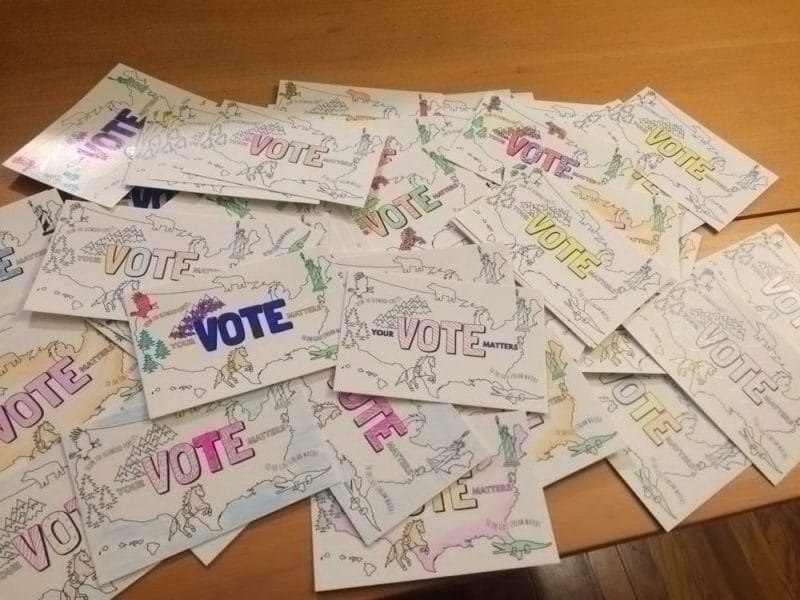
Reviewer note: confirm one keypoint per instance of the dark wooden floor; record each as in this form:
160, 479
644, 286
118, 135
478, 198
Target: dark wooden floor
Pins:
751, 556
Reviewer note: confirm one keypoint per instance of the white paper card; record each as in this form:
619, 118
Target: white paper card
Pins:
738, 369
441, 341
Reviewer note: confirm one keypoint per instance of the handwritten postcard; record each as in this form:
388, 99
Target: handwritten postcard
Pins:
736, 367
53, 376
216, 336
87, 150
392, 453
494, 518
98, 256
707, 175
574, 433
764, 270
43, 551
414, 192
675, 458
149, 489
441, 341
505, 138
326, 160
591, 276
25, 229
352, 103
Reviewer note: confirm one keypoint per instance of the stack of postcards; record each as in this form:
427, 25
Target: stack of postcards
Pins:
416, 309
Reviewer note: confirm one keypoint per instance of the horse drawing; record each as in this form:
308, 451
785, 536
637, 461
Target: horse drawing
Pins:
79, 569
412, 538
237, 361
193, 504
422, 370
109, 299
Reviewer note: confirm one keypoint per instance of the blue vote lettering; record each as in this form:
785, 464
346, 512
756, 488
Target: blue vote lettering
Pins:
229, 327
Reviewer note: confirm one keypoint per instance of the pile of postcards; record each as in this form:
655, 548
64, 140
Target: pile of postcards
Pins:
374, 299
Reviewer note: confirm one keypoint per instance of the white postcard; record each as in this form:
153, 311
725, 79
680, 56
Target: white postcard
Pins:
675, 458
680, 156
505, 138
441, 341
217, 336
492, 519
764, 271
43, 551
591, 276
354, 103
326, 160
737, 368
97, 256
149, 489
392, 453
575, 432
55, 374
87, 150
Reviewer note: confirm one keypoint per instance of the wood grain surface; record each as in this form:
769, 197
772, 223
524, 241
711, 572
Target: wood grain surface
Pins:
734, 66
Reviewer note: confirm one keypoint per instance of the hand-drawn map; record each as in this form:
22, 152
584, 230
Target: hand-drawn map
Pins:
574, 433
739, 370
353, 104
43, 550
506, 138
591, 276
441, 341
675, 458
492, 519
392, 453
150, 489
53, 378
679, 156
87, 150
326, 160
98, 256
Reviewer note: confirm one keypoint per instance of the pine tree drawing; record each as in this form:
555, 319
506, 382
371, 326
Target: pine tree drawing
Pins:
89, 492
148, 364
145, 340
205, 306
161, 351
106, 498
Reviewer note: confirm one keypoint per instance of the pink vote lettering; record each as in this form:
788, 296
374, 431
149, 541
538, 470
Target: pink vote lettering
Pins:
58, 531
379, 430
429, 338
277, 149
531, 152
25, 408
182, 461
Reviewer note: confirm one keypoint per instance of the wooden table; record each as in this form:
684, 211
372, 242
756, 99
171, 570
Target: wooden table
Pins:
734, 68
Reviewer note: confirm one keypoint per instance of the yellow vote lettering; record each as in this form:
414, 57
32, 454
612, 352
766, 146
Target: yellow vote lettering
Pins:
671, 147
567, 249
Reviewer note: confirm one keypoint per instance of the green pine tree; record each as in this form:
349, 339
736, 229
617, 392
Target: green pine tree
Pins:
149, 365
145, 340
161, 351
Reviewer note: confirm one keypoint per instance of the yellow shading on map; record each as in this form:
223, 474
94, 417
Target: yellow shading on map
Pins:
55, 383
